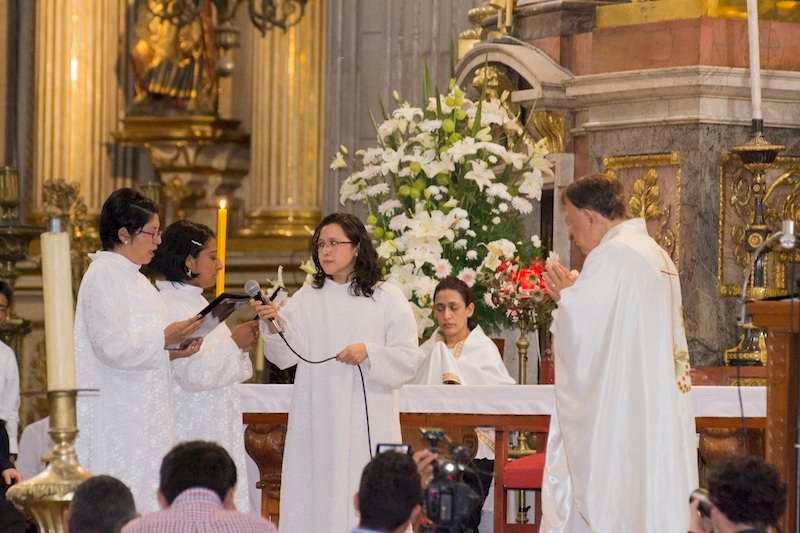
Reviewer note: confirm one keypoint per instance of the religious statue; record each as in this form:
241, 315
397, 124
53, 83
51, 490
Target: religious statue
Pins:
174, 65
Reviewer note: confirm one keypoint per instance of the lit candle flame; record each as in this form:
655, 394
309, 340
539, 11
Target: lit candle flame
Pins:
223, 203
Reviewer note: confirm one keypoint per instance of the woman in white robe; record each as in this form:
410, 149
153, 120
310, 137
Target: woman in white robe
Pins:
206, 401
368, 326
126, 422
460, 354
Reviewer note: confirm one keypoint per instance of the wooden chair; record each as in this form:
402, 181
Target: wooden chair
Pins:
523, 474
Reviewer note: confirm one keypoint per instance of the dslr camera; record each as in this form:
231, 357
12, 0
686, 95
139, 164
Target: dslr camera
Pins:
448, 501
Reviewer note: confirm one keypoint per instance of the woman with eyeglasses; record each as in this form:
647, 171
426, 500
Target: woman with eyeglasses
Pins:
349, 313
126, 419
207, 406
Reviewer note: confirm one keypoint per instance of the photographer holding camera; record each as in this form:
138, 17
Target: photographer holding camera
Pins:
744, 495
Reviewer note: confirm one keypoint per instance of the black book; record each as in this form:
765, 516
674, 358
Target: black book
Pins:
214, 314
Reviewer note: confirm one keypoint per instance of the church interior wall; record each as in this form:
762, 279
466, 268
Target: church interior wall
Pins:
710, 317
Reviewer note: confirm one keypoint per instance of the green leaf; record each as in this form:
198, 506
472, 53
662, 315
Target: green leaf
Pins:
383, 109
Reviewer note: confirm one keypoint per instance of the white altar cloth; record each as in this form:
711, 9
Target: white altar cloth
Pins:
708, 401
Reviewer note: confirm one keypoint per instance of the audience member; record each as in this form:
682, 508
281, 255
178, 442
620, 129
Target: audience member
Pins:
389, 498
11, 521
34, 445
101, 504
9, 380
746, 494
196, 491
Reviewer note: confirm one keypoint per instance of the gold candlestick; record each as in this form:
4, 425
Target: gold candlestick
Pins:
47, 495
523, 448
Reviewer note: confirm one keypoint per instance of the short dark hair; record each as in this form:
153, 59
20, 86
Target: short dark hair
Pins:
390, 488
179, 241
452, 283
101, 504
124, 208
196, 464
7, 291
366, 272
599, 193
748, 491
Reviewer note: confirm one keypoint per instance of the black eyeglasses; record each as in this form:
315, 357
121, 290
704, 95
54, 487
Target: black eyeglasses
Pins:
321, 245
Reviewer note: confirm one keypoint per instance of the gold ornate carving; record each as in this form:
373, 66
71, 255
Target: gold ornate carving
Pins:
654, 185
494, 80
553, 127
749, 382
644, 11
174, 66
62, 199
781, 188
469, 38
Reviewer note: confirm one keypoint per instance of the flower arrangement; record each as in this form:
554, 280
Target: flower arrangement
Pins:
518, 290
445, 190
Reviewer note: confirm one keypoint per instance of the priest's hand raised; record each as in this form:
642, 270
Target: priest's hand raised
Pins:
558, 278
353, 354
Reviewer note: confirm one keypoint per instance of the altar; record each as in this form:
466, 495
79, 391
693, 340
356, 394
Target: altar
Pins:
507, 408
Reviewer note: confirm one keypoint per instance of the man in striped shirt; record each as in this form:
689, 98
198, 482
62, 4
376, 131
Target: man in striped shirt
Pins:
197, 482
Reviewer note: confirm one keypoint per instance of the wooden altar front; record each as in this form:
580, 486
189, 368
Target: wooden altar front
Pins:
781, 320
717, 407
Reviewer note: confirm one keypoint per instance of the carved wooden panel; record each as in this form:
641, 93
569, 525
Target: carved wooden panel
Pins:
652, 185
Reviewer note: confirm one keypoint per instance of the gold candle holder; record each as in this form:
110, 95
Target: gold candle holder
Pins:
9, 193
523, 448
47, 495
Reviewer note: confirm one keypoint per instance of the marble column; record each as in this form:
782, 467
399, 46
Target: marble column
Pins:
79, 98
375, 47
282, 195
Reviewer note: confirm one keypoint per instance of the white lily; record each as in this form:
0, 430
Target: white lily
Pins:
480, 174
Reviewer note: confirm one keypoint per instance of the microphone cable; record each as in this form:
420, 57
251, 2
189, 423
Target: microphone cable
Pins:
363, 385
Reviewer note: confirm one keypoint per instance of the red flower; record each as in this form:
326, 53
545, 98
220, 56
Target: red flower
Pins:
528, 278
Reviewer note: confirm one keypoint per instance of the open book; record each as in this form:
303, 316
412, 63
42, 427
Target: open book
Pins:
214, 314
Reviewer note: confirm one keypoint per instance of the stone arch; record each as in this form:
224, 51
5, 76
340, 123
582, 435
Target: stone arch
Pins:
546, 78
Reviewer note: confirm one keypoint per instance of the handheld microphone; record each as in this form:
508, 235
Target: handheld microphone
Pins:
253, 290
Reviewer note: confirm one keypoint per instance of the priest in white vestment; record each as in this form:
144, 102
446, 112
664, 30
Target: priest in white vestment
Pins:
127, 423
621, 451
347, 313
456, 354
207, 405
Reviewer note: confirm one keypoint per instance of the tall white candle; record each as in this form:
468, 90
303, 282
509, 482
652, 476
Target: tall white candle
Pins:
58, 311
755, 60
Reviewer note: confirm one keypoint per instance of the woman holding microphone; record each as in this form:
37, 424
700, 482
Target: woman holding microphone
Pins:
365, 326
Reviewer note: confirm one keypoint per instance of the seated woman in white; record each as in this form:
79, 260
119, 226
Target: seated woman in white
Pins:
460, 354
206, 402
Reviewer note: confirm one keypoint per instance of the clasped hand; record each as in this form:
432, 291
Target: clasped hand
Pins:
11, 476
558, 278
352, 354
